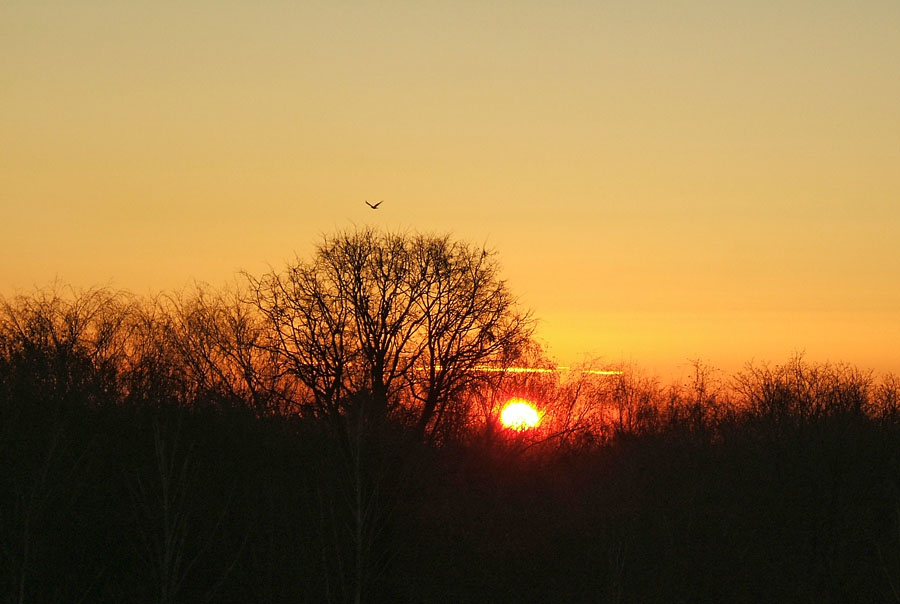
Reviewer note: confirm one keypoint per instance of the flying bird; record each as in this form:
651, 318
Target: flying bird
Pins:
374, 207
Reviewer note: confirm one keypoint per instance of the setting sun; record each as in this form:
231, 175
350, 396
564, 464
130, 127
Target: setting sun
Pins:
519, 415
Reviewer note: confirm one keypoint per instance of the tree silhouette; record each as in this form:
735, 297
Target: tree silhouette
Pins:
402, 318
383, 329
328, 434
217, 335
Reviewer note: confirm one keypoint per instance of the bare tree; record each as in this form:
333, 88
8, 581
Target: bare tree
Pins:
468, 319
402, 318
380, 325
59, 349
218, 338
171, 537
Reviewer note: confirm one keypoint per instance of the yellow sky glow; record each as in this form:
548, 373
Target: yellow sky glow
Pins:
664, 181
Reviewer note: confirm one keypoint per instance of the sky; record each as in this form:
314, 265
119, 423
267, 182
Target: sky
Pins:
664, 181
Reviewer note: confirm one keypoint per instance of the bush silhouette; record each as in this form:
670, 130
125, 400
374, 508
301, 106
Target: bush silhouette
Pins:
169, 450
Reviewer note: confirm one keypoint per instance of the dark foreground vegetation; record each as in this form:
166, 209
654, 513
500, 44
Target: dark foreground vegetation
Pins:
329, 434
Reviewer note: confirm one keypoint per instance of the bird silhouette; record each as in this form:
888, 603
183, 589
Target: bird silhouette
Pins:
374, 207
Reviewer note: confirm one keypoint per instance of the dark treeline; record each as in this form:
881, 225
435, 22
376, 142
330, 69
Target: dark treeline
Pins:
329, 434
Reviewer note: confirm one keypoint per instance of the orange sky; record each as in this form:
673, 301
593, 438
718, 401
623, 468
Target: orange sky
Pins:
663, 180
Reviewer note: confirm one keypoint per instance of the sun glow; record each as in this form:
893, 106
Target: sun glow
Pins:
519, 415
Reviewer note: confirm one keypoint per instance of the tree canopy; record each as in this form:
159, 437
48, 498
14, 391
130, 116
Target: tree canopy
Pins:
403, 319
